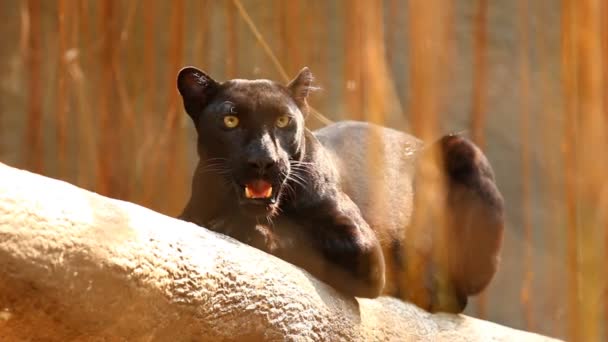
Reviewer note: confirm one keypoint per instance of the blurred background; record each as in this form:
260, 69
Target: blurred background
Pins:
88, 95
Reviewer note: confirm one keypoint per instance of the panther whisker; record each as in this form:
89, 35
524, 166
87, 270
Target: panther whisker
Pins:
301, 175
301, 162
301, 178
215, 165
269, 219
216, 159
299, 182
289, 189
305, 169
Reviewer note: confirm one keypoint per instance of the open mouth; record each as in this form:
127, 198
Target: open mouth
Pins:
258, 189
258, 198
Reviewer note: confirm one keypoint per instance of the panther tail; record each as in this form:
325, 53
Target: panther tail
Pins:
465, 225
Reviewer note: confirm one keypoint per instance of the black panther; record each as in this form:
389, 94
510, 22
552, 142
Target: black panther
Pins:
318, 200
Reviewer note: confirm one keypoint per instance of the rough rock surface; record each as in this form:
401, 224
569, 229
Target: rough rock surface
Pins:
75, 265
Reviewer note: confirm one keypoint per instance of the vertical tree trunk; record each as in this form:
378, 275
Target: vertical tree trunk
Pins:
231, 40
526, 290
478, 115
175, 167
149, 151
353, 73
550, 179
61, 96
427, 51
569, 62
290, 40
107, 151
592, 121
33, 142
480, 72
585, 133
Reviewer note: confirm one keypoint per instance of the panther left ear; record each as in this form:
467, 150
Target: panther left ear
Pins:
301, 86
196, 89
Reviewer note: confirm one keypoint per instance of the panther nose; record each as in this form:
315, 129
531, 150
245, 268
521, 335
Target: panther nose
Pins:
261, 165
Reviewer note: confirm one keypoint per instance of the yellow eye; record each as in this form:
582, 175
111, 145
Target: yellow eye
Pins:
231, 121
283, 121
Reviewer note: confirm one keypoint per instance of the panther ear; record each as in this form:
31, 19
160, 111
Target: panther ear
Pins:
196, 89
301, 86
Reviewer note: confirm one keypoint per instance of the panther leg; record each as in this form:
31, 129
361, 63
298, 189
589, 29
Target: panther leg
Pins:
332, 241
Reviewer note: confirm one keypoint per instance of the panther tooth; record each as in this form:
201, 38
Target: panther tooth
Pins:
254, 194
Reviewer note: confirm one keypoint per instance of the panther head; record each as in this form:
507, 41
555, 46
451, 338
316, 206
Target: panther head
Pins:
250, 133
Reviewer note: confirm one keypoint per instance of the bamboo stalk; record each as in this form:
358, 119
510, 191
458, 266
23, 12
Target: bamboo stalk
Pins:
201, 39
279, 9
121, 82
426, 37
294, 36
604, 200
478, 115
584, 88
106, 147
33, 138
317, 58
353, 60
525, 162
569, 74
480, 73
593, 170
374, 89
175, 135
292, 43
377, 85
231, 41
175, 54
61, 99
149, 153
128, 132
549, 179
87, 151
391, 29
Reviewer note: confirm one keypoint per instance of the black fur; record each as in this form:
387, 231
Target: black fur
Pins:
320, 215
317, 226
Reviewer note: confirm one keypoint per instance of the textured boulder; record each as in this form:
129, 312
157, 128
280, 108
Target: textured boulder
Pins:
75, 265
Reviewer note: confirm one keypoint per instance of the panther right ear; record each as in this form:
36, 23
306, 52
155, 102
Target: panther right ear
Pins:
196, 89
301, 86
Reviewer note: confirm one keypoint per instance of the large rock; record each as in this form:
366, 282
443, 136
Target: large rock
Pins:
76, 265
